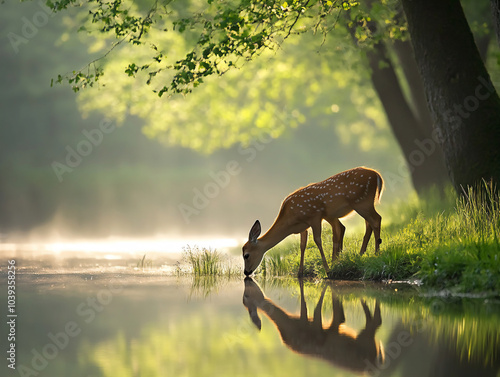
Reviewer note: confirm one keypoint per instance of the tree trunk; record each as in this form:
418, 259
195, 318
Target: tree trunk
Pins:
409, 119
422, 154
404, 52
462, 100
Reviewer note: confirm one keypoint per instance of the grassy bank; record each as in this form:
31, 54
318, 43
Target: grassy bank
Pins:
453, 247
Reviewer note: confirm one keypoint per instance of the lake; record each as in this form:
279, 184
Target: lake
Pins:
88, 316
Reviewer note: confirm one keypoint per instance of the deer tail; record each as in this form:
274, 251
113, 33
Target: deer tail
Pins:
380, 186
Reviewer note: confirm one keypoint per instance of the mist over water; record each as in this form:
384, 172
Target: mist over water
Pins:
70, 176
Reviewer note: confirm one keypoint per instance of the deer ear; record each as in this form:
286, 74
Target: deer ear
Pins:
254, 232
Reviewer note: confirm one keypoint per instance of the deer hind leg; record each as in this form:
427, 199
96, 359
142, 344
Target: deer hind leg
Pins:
372, 322
377, 220
303, 244
316, 228
373, 222
366, 238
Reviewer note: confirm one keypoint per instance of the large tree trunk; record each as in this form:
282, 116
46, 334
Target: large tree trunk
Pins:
463, 102
404, 52
423, 155
409, 118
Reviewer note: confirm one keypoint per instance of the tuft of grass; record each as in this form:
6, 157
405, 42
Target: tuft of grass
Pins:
457, 249
202, 261
275, 263
207, 262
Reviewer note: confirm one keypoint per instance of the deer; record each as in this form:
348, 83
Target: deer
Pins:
357, 189
335, 343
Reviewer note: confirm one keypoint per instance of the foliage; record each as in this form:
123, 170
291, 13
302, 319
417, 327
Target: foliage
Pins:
278, 92
285, 88
225, 33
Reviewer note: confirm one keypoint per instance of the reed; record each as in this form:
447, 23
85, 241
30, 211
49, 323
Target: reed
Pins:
208, 262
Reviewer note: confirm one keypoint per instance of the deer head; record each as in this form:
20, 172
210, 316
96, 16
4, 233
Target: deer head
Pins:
253, 250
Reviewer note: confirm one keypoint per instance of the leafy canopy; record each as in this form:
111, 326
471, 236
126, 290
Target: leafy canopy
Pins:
316, 77
221, 34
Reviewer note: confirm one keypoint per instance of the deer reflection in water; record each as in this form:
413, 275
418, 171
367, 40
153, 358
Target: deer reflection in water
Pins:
336, 343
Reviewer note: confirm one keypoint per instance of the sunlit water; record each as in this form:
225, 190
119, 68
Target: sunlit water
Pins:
117, 320
107, 255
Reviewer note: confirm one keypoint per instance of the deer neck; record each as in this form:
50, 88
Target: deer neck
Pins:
285, 322
292, 328
274, 236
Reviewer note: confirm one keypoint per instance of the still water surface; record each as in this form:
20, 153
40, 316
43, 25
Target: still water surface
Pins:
113, 320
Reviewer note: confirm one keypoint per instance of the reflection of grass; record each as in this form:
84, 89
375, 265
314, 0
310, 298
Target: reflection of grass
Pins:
204, 286
207, 262
471, 328
457, 249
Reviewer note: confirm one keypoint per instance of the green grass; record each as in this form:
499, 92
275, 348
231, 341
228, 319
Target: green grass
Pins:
275, 263
207, 262
454, 247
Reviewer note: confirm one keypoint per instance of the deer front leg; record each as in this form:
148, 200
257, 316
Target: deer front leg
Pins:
316, 228
303, 305
338, 312
318, 318
338, 231
303, 244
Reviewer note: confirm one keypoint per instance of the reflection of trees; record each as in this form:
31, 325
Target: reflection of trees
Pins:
335, 343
